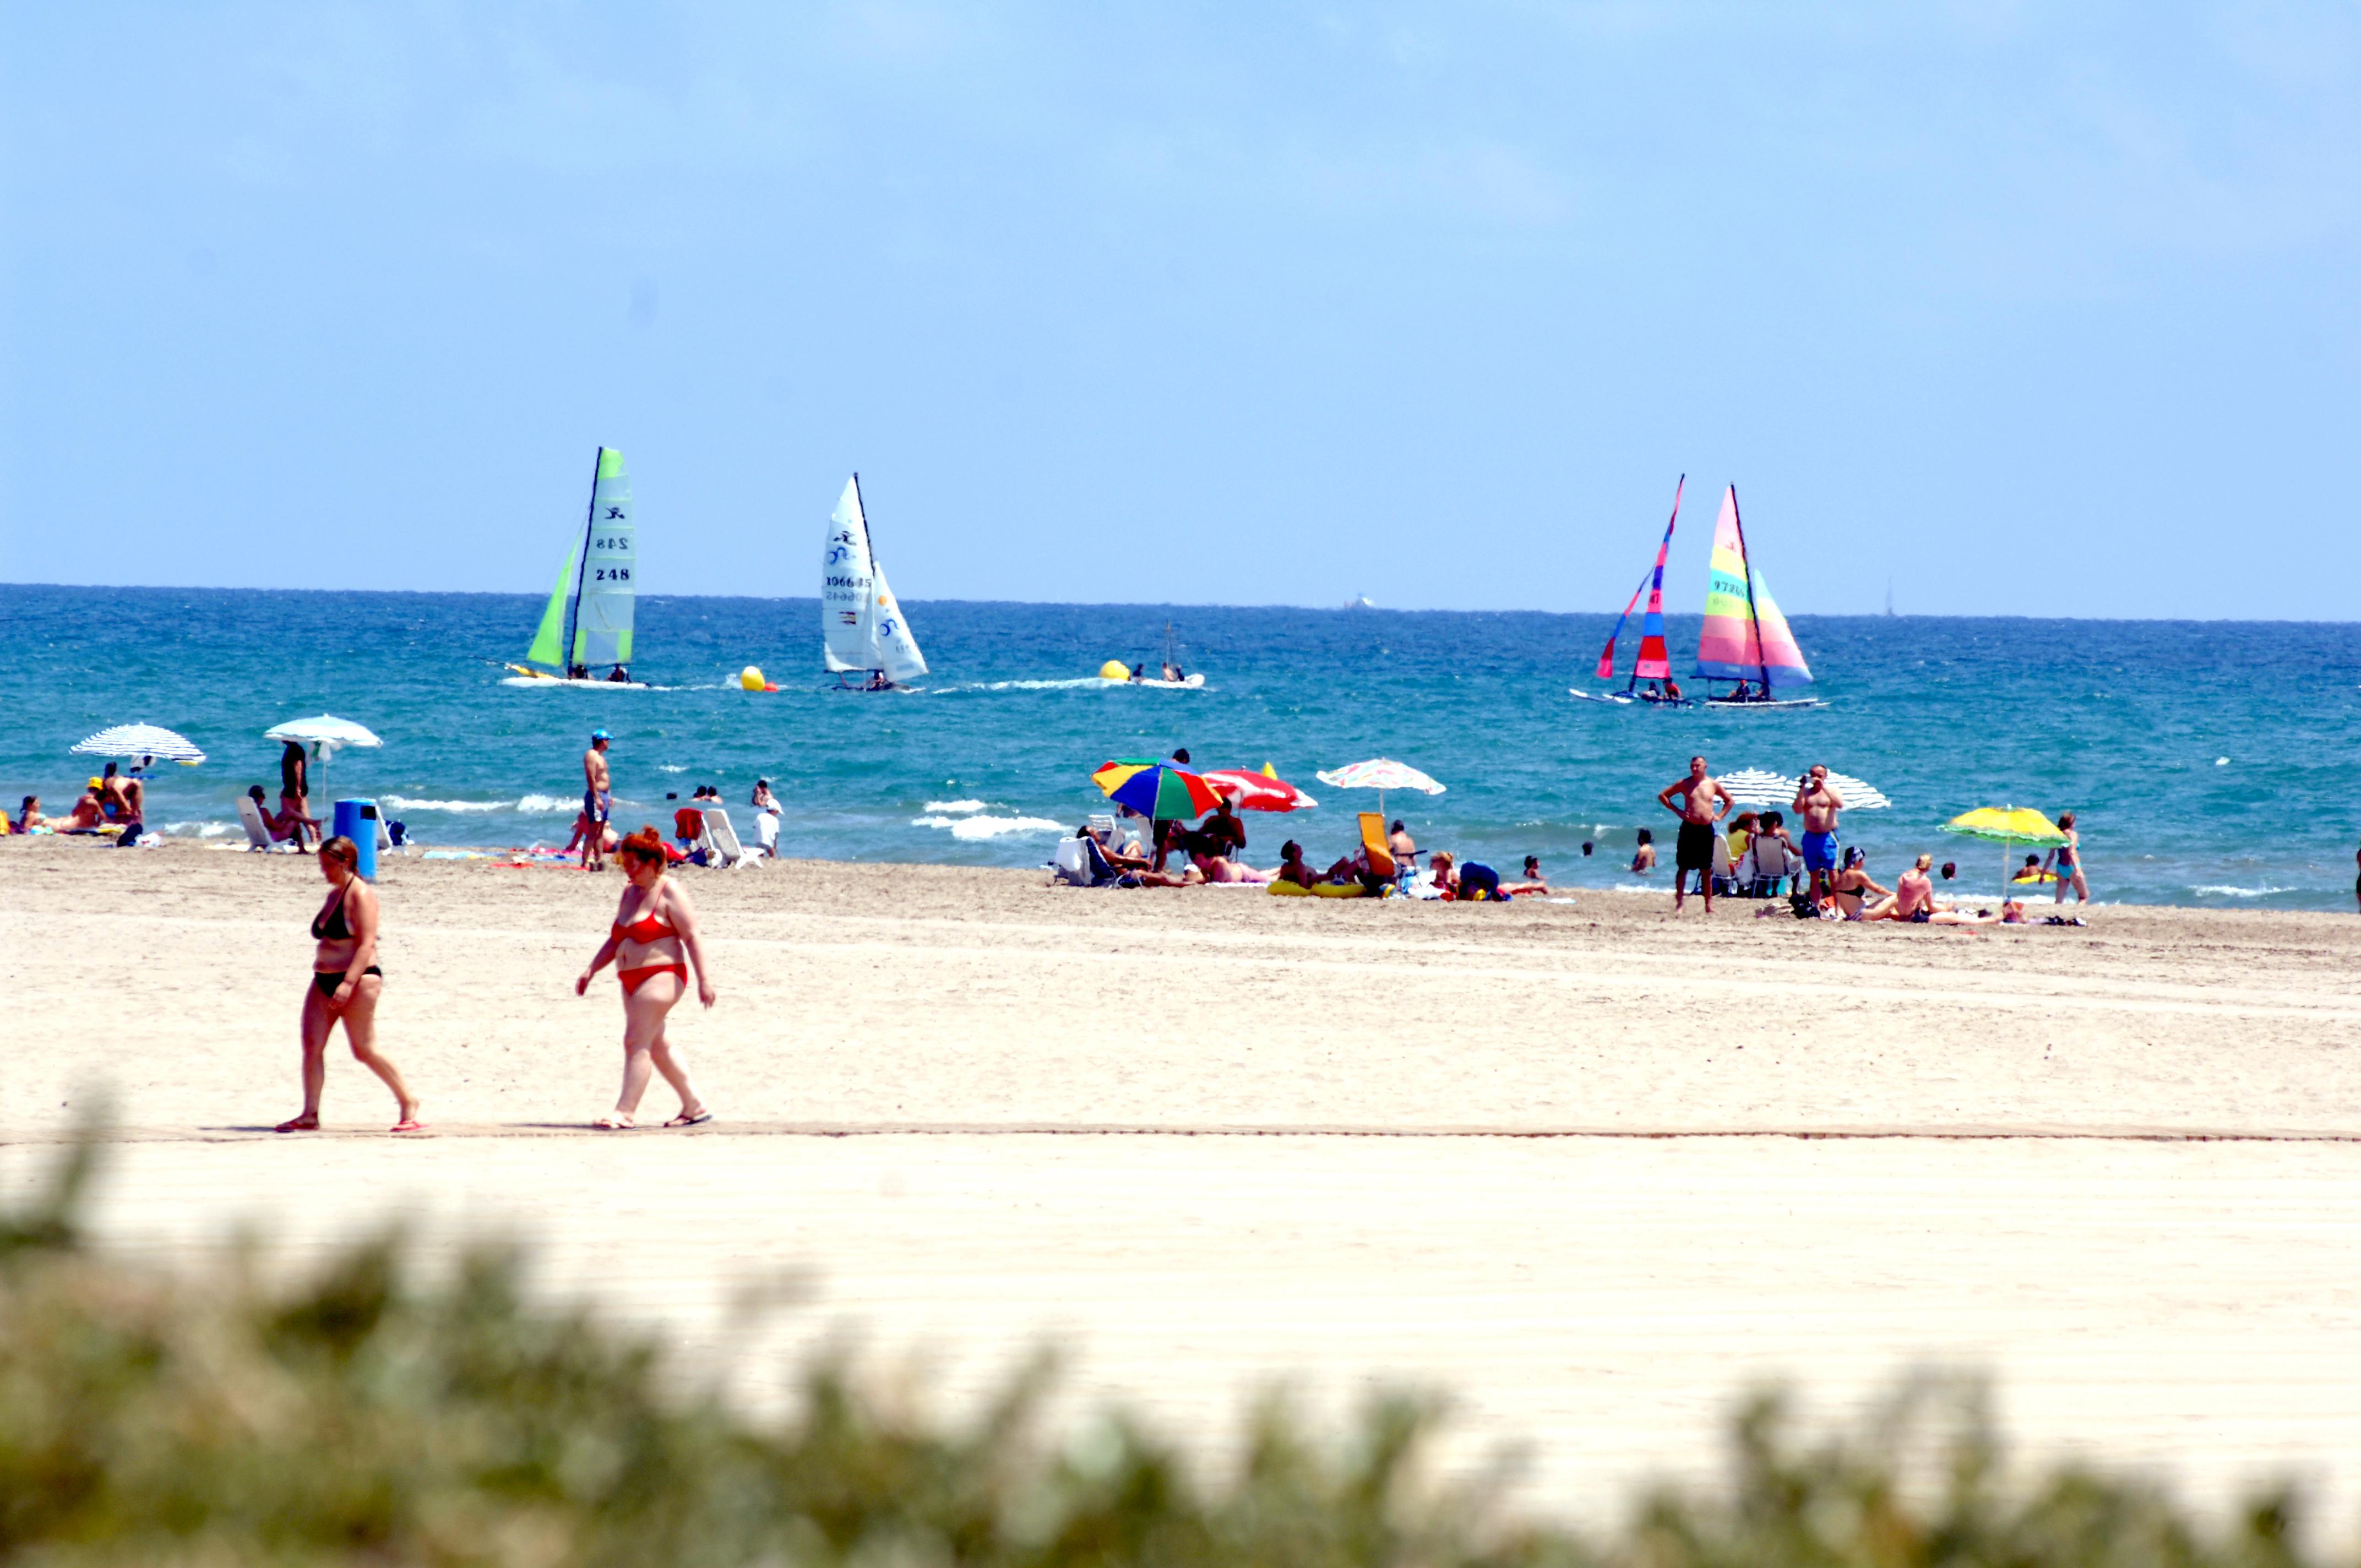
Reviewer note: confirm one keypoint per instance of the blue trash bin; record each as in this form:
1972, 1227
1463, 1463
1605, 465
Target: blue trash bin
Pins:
357, 820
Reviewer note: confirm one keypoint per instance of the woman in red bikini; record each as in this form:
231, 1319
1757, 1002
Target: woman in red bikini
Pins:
656, 927
346, 982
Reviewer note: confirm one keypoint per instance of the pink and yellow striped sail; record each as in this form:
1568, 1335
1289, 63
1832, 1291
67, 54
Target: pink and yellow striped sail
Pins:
1745, 637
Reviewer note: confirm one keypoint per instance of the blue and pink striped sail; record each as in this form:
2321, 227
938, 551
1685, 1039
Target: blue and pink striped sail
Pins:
1655, 662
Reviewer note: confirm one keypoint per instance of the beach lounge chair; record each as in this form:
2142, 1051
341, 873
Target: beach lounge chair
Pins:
719, 842
1724, 874
258, 831
1373, 842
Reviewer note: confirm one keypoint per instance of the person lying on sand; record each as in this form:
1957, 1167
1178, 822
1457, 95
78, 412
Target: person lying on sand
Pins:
1532, 882
1221, 868
29, 815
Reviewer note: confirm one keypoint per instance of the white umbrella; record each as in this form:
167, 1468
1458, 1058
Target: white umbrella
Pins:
323, 734
1380, 773
145, 742
1759, 786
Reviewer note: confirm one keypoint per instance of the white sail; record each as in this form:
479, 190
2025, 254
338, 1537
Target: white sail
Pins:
847, 587
862, 626
897, 652
602, 615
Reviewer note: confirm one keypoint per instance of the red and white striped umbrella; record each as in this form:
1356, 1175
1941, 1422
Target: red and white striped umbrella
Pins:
1249, 790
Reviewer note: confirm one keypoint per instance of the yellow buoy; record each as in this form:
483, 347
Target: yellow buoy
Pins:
750, 677
1115, 669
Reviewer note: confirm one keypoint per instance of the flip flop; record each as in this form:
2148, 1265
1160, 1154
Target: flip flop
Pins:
686, 1120
614, 1124
298, 1124
410, 1124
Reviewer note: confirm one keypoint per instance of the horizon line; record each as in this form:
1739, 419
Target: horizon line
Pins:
1198, 604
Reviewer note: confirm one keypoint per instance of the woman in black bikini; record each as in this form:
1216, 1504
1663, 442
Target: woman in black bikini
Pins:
346, 982
654, 931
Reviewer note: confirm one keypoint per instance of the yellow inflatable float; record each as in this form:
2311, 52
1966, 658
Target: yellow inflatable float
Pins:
1324, 890
1115, 669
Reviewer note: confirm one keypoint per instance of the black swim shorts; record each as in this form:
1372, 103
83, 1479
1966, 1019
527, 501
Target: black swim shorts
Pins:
1695, 850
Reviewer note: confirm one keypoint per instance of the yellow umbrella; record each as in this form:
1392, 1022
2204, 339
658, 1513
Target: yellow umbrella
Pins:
2007, 826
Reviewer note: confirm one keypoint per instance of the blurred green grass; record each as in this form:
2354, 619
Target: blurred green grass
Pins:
379, 1413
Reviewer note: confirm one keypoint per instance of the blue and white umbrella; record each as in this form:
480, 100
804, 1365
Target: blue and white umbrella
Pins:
144, 743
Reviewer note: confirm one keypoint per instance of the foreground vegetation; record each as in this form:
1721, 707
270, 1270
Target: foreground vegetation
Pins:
379, 1414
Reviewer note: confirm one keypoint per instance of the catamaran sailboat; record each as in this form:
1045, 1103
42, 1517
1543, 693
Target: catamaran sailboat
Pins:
1744, 642
587, 624
862, 628
1654, 662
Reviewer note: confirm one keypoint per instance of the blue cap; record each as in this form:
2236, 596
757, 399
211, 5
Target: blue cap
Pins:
600, 735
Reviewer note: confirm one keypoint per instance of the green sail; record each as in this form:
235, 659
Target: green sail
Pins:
546, 641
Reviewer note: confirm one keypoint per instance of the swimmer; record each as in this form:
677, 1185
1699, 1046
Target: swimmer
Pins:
654, 931
345, 984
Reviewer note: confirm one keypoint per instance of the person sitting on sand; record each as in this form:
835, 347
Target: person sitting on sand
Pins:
1354, 869
1476, 883
1443, 868
607, 839
1643, 858
29, 815
345, 986
1852, 886
652, 943
1912, 898
1401, 846
88, 812
1223, 834
1292, 867
1532, 883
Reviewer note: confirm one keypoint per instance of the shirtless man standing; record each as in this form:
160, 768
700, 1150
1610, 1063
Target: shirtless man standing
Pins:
598, 802
1703, 804
1819, 804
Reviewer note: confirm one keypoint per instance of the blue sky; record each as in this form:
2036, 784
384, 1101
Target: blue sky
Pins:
2027, 309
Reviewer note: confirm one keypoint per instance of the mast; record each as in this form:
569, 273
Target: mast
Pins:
1746, 556
582, 567
869, 541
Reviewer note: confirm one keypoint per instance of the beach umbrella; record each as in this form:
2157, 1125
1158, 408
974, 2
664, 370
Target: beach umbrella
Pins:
144, 743
1264, 791
1380, 773
1761, 787
323, 734
1155, 789
2007, 826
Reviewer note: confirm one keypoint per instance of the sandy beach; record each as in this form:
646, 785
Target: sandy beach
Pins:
1590, 1168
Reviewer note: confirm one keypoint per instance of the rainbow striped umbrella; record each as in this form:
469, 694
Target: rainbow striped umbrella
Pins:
1155, 789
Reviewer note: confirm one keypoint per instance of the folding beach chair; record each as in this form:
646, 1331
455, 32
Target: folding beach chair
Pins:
719, 842
258, 831
1724, 875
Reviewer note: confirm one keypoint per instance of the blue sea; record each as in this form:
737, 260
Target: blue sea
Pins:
2207, 760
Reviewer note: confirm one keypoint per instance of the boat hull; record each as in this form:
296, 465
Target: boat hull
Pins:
525, 677
1625, 699
1777, 705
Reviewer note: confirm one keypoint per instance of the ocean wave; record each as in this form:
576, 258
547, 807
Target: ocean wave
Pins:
988, 827
202, 829
1048, 685
2224, 892
939, 805
530, 803
671, 768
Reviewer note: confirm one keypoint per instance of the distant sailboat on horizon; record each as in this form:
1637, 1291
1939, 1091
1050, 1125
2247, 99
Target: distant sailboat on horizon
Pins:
862, 627
587, 621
